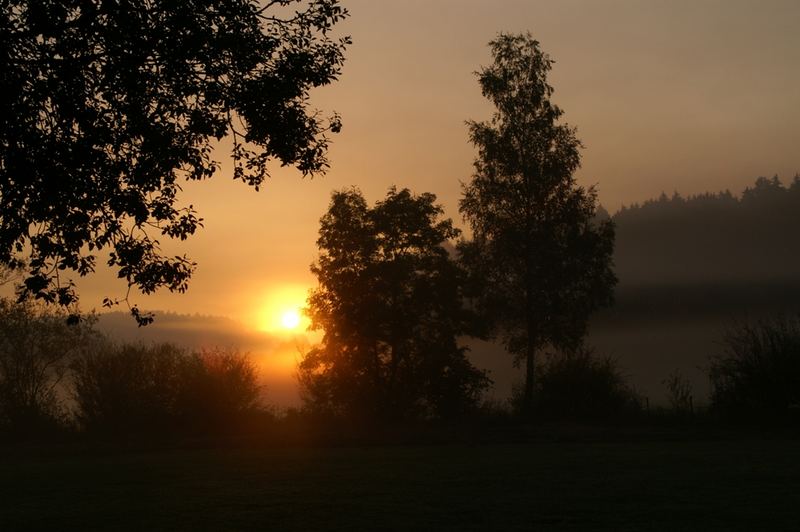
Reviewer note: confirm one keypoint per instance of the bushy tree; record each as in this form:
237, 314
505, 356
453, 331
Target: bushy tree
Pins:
390, 308
109, 106
542, 259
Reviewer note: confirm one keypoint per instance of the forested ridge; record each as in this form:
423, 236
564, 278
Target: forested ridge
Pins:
713, 238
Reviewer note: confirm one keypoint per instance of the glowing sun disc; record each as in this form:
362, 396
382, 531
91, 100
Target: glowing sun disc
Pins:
290, 319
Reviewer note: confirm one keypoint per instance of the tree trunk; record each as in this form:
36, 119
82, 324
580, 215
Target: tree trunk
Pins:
530, 369
530, 351
530, 317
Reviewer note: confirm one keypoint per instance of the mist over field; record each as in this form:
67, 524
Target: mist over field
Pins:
689, 269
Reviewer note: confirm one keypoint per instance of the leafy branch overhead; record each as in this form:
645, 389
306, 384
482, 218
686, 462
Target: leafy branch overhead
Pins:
109, 106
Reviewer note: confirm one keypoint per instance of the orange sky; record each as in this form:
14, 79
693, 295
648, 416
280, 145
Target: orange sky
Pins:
667, 95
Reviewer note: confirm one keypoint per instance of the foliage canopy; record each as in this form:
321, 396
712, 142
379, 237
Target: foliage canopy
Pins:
390, 307
108, 106
542, 258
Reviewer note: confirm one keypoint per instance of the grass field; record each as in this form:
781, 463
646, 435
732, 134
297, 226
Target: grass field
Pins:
749, 484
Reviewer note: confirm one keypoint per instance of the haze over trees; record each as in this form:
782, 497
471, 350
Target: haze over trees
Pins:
389, 304
689, 267
109, 106
542, 259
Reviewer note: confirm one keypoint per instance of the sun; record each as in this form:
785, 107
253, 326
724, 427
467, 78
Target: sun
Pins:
278, 310
290, 319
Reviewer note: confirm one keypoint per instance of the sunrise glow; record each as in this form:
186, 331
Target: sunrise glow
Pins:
279, 310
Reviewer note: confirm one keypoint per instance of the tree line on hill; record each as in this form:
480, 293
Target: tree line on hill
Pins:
713, 239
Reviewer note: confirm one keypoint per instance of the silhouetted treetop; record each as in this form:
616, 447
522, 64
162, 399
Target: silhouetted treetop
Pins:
539, 248
108, 106
390, 308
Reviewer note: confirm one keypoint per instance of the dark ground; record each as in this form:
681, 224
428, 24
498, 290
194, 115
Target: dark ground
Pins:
742, 483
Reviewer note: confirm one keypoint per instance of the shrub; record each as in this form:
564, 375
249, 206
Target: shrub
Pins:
679, 392
129, 387
578, 386
758, 374
221, 386
163, 389
36, 348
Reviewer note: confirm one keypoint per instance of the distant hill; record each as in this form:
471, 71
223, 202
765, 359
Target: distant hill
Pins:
188, 330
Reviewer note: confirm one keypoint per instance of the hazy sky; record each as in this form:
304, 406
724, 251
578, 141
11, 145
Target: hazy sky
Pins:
666, 95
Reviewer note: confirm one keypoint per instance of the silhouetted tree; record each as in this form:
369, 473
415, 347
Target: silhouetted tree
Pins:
36, 349
764, 190
544, 260
108, 106
390, 308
